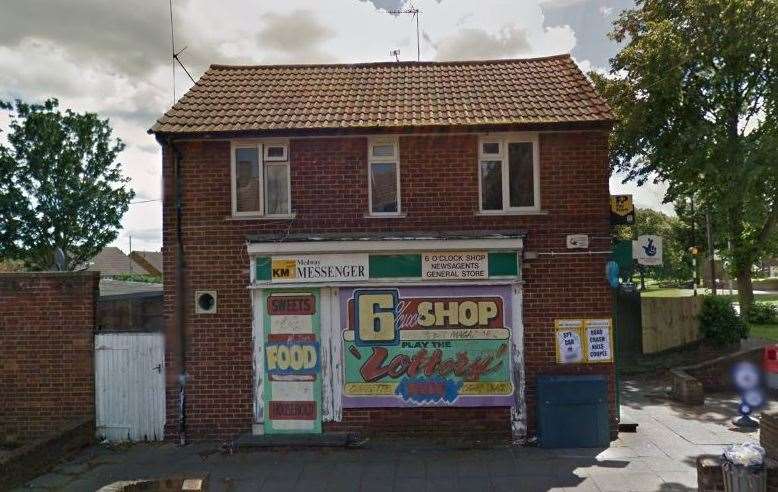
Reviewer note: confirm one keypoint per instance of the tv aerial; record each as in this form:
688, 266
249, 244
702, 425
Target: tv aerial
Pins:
414, 13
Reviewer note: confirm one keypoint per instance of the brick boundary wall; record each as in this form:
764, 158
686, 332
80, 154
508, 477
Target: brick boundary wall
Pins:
47, 323
690, 383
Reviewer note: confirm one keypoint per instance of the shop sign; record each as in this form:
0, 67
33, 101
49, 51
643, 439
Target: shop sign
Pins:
622, 210
421, 346
293, 304
292, 354
452, 265
319, 268
292, 410
291, 369
648, 250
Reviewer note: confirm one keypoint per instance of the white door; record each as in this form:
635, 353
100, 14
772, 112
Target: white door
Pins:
130, 386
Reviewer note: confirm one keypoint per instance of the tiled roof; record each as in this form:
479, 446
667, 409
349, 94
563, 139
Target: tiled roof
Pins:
549, 90
151, 261
112, 261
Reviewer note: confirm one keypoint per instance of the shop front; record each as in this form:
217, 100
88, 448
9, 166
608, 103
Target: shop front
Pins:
385, 324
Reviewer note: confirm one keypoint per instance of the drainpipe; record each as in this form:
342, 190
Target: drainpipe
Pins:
180, 292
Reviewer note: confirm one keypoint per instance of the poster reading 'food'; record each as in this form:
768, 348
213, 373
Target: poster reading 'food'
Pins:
427, 346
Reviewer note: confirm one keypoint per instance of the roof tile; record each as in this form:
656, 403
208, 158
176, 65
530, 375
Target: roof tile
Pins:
294, 97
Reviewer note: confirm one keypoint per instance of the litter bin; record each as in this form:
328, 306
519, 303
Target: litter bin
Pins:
573, 411
743, 468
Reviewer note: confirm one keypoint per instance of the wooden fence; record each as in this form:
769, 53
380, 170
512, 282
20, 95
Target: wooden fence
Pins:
669, 322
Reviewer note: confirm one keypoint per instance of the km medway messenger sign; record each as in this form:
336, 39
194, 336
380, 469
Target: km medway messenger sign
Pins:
319, 268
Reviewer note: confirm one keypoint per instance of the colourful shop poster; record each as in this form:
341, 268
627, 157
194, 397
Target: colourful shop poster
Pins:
427, 346
292, 372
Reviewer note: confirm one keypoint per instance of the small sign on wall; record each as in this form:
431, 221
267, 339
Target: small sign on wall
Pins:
583, 340
452, 265
569, 349
648, 250
599, 342
577, 241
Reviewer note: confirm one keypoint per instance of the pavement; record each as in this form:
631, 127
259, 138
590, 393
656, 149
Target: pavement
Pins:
660, 456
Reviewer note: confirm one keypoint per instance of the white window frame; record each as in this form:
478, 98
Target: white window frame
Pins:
392, 159
503, 158
261, 147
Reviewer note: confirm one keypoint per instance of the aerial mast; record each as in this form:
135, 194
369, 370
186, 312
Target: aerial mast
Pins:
414, 14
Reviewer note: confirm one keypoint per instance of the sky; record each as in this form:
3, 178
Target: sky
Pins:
113, 58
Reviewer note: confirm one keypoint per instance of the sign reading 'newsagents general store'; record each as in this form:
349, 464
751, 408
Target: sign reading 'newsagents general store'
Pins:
450, 265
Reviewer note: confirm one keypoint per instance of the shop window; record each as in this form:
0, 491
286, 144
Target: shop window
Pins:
260, 180
509, 174
384, 177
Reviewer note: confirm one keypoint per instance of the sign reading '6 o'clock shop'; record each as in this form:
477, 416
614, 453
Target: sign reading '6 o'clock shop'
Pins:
319, 268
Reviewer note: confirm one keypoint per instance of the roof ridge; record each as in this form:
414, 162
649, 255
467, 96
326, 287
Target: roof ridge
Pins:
493, 61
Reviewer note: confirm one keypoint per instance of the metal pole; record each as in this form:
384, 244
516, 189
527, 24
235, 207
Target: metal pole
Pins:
711, 252
418, 46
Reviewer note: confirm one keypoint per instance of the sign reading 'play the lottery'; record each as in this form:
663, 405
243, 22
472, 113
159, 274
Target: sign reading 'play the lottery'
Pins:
430, 346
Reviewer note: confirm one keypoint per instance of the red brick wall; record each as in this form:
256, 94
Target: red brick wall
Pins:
329, 194
47, 325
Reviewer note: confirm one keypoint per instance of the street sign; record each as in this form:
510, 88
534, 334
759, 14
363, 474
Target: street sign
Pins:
622, 210
648, 250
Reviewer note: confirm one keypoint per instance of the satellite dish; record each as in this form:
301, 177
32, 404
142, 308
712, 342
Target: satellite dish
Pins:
59, 259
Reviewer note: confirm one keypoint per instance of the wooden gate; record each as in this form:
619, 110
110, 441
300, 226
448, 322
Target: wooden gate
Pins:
130, 386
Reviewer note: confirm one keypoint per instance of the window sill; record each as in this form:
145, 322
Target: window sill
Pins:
261, 217
398, 215
490, 213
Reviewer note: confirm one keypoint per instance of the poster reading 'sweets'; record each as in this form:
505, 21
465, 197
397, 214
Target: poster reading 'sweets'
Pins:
427, 346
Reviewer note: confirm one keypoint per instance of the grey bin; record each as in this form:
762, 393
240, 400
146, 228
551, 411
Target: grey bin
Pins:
739, 478
573, 411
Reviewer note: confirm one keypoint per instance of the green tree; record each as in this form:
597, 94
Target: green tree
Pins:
60, 185
695, 88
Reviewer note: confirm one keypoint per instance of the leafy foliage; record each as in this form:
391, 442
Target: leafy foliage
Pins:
763, 313
695, 88
60, 186
719, 323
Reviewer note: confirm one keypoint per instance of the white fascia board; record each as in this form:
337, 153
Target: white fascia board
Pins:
383, 246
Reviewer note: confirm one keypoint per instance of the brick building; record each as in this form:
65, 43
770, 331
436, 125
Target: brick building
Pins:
381, 247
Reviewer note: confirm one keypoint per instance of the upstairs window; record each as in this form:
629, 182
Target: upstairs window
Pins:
384, 177
508, 173
260, 179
